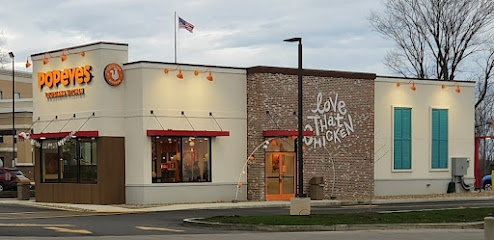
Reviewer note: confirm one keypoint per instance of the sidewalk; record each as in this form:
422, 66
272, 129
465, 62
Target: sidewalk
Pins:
134, 208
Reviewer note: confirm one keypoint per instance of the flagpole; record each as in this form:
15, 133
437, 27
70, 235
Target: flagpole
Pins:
175, 31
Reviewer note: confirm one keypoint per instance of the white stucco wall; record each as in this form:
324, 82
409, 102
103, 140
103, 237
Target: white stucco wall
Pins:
421, 179
149, 88
107, 102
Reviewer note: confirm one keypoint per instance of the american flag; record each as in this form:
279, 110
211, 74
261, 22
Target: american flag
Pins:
184, 24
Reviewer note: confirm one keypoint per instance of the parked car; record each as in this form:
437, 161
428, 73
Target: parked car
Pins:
487, 183
8, 178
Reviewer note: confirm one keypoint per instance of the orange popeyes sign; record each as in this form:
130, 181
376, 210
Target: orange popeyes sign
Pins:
69, 76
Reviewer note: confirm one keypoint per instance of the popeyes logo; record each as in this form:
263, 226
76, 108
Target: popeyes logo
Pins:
66, 77
113, 74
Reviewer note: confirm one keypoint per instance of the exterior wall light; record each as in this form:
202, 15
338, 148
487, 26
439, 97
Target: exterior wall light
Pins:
458, 89
179, 75
209, 77
413, 88
47, 56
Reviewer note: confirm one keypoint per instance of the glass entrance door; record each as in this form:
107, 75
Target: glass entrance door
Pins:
280, 176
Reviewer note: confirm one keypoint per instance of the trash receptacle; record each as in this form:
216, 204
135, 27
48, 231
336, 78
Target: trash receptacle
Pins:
316, 188
23, 188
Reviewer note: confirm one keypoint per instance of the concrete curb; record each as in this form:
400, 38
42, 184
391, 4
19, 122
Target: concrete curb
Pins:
197, 222
224, 205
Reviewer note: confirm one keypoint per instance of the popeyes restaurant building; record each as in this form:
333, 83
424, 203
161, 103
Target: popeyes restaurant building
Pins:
110, 131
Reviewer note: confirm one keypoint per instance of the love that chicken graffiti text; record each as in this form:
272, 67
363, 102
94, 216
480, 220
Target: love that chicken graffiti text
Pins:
331, 122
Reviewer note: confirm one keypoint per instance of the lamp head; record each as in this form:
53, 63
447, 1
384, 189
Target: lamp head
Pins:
63, 57
11, 54
180, 75
28, 64
295, 39
210, 77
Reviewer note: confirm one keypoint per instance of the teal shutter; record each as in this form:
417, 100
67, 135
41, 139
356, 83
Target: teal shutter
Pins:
439, 136
402, 138
435, 139
443, 138
397, 139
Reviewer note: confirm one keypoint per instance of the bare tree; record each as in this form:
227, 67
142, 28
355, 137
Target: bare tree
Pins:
483, 80
3, 53
434, 37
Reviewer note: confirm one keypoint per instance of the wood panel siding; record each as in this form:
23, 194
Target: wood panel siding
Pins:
110, 187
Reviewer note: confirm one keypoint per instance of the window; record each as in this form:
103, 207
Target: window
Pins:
17, 95
402, 139
1, 161
1, 95
439, 154
1, 138
73, 162
181, 159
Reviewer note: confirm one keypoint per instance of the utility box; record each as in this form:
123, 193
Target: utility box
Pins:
460, 166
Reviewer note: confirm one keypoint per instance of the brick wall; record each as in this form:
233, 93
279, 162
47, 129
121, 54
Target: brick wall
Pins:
352, 150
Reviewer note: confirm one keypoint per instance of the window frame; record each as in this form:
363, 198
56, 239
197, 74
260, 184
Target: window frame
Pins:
59, 170
393, 168
181, 138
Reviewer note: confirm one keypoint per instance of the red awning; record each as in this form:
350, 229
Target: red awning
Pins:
285, 133
187, 133
64, 134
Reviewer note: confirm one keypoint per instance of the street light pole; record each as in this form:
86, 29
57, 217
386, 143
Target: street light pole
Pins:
11, 54
300, 190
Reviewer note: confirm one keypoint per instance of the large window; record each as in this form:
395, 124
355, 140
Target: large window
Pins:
73, 162
402, 139
439, 146
181, 159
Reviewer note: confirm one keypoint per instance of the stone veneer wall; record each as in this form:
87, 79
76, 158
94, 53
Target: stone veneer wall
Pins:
275, 90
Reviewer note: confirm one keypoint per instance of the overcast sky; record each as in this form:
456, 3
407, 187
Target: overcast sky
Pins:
336, 33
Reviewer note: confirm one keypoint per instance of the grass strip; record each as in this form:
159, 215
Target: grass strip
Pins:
429, 216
